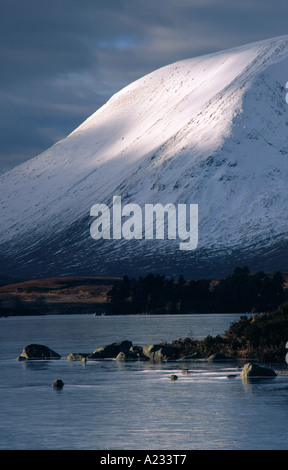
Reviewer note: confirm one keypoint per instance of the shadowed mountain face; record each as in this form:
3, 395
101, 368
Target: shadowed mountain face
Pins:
209, 131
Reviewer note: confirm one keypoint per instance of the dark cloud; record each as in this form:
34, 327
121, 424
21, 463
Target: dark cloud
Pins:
62, 59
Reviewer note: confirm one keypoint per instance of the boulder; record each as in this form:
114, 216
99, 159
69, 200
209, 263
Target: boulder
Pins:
58, 384
138, 350
173, 377
135, 353
255, 370
158, 352
38, 351
111, 350
127, 356
76, 356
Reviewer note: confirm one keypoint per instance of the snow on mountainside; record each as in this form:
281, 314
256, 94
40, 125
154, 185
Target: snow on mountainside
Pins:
210, 131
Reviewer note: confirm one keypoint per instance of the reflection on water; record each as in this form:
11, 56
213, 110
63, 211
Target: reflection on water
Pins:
131, 405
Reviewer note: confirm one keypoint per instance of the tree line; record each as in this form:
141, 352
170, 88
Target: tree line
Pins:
239, 292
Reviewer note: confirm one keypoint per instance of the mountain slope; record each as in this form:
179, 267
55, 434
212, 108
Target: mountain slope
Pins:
210, 131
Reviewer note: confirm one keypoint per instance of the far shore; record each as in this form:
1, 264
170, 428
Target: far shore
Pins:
241, 292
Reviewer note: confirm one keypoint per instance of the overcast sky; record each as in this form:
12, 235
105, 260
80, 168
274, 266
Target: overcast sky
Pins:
60, 60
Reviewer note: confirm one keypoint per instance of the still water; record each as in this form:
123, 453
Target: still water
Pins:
109, 405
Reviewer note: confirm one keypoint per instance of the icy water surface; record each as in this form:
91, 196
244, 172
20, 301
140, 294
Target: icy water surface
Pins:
134, 405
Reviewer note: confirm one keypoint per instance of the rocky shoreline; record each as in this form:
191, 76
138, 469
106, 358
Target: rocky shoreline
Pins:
121, 351
126, 351
261, 339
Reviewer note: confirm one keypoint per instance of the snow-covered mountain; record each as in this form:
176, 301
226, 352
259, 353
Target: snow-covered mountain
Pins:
211, 131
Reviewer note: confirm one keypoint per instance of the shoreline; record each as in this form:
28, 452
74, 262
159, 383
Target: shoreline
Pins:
154, 294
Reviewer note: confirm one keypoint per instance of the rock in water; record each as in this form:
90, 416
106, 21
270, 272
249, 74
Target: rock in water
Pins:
255, 370
38, 351
58, 384
158, 352
173, 377
111, 350
127, 356
76, 356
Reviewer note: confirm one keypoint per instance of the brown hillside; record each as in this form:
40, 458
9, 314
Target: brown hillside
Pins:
57, 293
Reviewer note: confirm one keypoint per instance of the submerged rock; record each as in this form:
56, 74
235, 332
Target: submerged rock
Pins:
38, 351
255, 370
